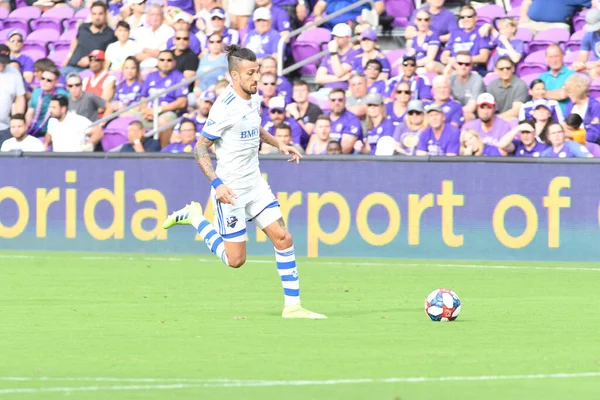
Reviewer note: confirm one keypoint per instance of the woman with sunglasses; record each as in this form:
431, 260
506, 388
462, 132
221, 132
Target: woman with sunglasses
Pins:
471, 144
370, 51
378, 125
129, 89
560, 147
426, 44
215, 57
407, 132
397, 109
537, 91
521, 141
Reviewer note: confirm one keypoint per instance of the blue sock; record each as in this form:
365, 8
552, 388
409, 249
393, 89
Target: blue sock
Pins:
211, 238
286, 266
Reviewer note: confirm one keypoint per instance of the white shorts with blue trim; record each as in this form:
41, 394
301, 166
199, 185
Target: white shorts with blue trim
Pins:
257, 204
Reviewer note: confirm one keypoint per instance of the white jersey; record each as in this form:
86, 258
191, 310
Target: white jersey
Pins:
234, 124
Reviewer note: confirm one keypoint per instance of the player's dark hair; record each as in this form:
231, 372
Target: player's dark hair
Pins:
236, 55
123, 24
338, 90
171, 52
323, 117
44, 64
20, 117
186, 121
99, 4
286, 126
137, 67
137, 124
63, 101
535, 82
574, 121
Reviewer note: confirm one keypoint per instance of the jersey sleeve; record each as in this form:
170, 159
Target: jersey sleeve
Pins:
586, 42
218, 121
578, 150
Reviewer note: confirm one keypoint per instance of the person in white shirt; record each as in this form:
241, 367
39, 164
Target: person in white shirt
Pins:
69, 132
153, 38
117, 52
20, 139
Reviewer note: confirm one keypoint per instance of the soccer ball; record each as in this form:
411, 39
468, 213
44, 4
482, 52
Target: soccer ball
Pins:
442, 305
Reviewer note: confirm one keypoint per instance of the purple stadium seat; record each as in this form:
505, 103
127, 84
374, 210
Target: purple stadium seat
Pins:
3, 14
39, 39
489, 78
595, 88
571, 57
393, 56
401, 10
59, 56
514, 13
81, 15
53, 18
308, 44
19, 19
86, 73
593, 148
524, 34
534, 63
35, 53
489, 13
529, 78
513, 123
115, 133
574, 43
64, 41
546, 38
579, 20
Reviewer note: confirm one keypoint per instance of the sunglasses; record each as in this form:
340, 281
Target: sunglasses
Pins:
182, 38
409, 64
504, 68
485, 106
403, 92
47, 79
16, 40
215, 41
165, 59
415, 113
74, 85
464, 64
276, 111
269, 83
95, 59
423, 19
372, 67
466, 16
528, 132
373, 105
337, 100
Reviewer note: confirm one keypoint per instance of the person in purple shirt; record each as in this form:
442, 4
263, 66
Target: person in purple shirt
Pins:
471, 144
443, 21
284, 86
407, 133
468, 39
267, 88
335, 68
187, 138
420, 86
489, 127
183, 5
441, 97
217, 25
426, 44
368, 44
521, 141
296, 9
280, 19
129, 90
183, 22
537, 90
440, 138
372, 72
397, 109
263, 39
503, 41
378, 125
345, 126
560, 148
277, 116
15, 44
577, 88
169, 104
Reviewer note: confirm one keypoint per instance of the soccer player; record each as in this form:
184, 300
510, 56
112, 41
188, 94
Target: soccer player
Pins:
239, 193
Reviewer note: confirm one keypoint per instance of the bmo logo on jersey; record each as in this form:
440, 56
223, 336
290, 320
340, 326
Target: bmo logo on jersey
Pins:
249, 134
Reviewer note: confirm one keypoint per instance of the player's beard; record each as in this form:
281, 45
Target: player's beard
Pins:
249, 90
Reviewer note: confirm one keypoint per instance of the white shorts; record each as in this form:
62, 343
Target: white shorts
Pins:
257, 204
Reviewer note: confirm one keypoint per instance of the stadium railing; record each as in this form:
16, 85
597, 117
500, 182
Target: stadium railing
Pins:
282, 41
156, 130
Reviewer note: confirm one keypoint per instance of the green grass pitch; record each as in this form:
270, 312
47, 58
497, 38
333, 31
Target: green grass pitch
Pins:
97, 326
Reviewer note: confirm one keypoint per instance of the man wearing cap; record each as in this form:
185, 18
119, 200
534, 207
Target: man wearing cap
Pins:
489, 127
153, 38
420, 86
15, 44
217, 25
184, 22
12, 93
96, 35
101, 83
407, 132
263, 39
509, 90
522, 141
589, 54
443, 21
372, 72
439, 138
280, 20
466, 84
205, 103
277, 115
334, 70
170, 104
441, 97
368, 44
345, 126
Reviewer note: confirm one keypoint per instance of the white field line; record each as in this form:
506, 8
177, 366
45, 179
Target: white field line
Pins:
269, 383
391, 263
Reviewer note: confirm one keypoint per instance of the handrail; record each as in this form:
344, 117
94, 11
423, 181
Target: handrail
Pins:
313, 24
185, 82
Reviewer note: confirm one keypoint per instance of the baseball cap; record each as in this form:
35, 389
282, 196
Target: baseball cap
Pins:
369, 35
592, 20
415, 105
183, 17
217, 12
373, 98
541, 103
135, 1
15, 32
4, 54
208, 95
97, 54
433, 107
277, 103
261, 13
487, 99
342, 30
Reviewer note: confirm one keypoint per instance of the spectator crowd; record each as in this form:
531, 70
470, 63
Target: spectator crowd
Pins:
468, 82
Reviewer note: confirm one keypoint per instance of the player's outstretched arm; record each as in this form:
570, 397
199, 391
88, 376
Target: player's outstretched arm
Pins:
222, 192
285, 149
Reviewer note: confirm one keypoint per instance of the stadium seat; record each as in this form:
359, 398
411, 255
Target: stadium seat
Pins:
401, 10
54, 18
59, 56
548, 37
4, 34
574, 43
115, 133
20, 18
393, 56
64, 41
571, 57
534, 63
80, 16
40, 39
3, 15
579, 20
489, 14
593, 148
308, 44
489, 78
524, 34
35, 53
595, 88
529, 78
514, 13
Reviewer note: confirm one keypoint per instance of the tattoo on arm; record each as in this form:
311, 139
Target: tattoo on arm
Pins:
266, 137
203, 157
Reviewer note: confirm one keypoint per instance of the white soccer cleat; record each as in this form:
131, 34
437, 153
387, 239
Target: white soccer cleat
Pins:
298, 312
183, 216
